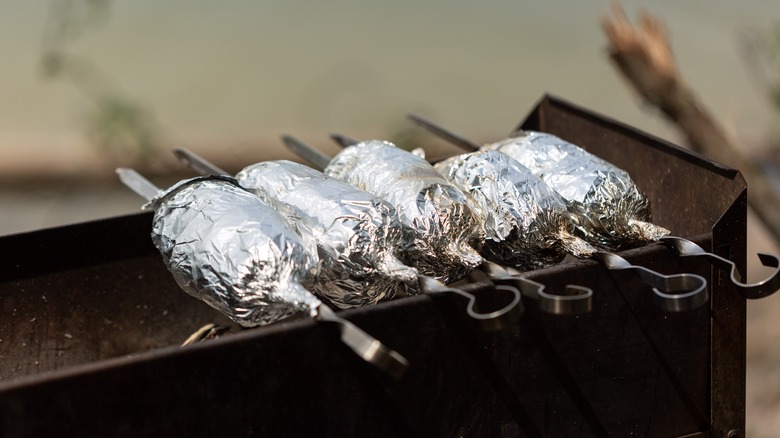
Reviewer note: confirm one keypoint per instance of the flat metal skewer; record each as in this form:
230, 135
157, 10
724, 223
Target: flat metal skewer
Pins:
576, 300
673, 293
445, 134
489, 321
308, 153
364, 345
751, 291
344, 140
137, 183
195, 162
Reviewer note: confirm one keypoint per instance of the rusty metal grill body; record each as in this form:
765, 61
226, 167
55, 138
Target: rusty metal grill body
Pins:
90, 323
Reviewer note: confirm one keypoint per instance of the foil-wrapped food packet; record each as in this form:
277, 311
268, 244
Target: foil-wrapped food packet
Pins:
228, 248
357, 233
442, 236
526, 223
607, 208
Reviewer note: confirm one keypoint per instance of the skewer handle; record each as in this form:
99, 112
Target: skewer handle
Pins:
576, 300
673, 293
761, 289
499, 319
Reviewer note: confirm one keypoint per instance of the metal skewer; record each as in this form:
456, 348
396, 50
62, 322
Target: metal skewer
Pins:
305, 151
751, 291
575, 300
137, 183
364, 345
491, 320
673, 293
343, 140
316, 158
197, 163
445, 134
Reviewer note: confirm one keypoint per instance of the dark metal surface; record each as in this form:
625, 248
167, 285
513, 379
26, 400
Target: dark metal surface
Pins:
632, 364
91, 322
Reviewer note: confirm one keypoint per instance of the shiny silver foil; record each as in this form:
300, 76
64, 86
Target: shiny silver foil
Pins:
226, 247
607, 207
526, 223
440, 230
357, 233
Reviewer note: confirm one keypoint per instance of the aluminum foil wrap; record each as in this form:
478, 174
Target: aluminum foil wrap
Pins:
357, 233
526, 223
607, 207
440, 230
226, 247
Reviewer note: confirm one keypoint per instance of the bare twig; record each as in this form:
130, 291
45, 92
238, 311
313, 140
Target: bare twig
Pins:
643, 56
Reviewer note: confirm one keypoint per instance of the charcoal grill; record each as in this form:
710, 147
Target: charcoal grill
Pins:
91, 324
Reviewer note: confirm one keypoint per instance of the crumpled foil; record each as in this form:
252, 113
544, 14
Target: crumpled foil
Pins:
526, 223
356, 232
607, 208
228, 248
442, 236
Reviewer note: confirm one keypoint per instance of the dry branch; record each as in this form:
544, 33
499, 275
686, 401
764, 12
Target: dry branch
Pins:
643, 56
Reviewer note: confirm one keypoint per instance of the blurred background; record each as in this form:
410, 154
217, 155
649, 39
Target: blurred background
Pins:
89, 85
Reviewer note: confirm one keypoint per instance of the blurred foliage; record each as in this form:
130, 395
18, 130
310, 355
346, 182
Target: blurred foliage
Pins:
70, 19
762, 53
761, 50
117, 126
122, 128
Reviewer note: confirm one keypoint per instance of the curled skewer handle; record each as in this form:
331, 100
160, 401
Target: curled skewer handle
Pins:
576, 300
496, 320
751, 291
366, 346
673, 293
